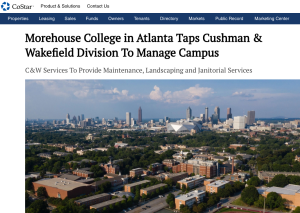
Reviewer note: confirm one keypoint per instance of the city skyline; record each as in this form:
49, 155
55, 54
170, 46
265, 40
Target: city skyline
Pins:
160, 98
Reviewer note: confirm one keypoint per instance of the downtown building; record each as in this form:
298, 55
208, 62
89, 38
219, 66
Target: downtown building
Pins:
198, 167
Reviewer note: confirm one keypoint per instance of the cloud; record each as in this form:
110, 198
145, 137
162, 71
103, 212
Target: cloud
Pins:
243, 94
89, 90
192, 95
156, 94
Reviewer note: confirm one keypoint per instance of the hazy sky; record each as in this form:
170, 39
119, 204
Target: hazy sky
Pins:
53, 99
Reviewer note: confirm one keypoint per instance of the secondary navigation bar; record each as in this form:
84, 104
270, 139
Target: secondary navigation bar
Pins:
150, 18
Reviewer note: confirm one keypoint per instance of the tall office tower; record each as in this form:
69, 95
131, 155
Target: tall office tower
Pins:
140, 115
250, 117
74, 119
167, 119
82, 117
217, 112
132, 122
214, 118
78, 118
54, 122
103, 121
206, 114
68, 118
229, 115
239, 122
97, 119
128, 118
115, 119
188, 113
202, 117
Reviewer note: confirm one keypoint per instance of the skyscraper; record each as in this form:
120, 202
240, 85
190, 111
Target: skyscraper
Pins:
229, 115
214, 118
78, 118
68, 118
128, 118
82, 117
217, 112
239, 122
206, 114
188, 113
250, 117
140, 115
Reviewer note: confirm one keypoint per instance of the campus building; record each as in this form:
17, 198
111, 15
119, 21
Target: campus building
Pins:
269, 175
189, 199
136, 172
131, 187
62, 188
175, 177
106, 204
83, 173
290, 192
92, 200
151, 189
205, 168
192, 182
215, 186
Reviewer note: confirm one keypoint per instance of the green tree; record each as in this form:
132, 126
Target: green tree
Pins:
27, 201
253, 181
279, 181
172, 205
177, 185
297, 210
144, 197
28, 184
170, 197
183, 188
41, 192
38, 206
111, 208
249, 195
274, 200
129, 201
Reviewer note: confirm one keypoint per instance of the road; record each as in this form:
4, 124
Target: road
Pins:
156, 204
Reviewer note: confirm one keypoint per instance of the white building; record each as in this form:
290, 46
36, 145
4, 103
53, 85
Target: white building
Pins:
128, 118
183, 127
239, 122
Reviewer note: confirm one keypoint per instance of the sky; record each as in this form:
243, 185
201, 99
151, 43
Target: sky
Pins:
53, 99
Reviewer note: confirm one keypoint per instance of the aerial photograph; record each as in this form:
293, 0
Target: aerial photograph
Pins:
162, 146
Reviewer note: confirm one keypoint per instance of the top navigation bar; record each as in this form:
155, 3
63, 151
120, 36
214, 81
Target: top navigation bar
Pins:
150, 18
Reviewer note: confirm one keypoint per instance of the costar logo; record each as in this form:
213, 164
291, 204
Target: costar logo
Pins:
5, 6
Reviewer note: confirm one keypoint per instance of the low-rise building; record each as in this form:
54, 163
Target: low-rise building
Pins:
208, 181
106, 204
151, 189
44, 155
290, 192
215, 186
92, 200
175, 177
83, 173
242, 177
192, 182
131, 187
297, 158
61, 154
155, 167
196, 196
70, 148
269, 175
62, 188
169, 162
136, 172
235, 146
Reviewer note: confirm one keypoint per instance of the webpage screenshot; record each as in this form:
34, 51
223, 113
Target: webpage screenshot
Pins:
152, 107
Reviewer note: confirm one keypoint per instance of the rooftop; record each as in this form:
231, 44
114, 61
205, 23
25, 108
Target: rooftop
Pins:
218, 183
193, 178
107, 203
69, 177
288, 190
175, 174
154, 186
83, 171
137, 183
91, 198
61, 183
190, 195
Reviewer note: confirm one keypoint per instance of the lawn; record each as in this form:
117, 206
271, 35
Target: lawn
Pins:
233, 210
239, 202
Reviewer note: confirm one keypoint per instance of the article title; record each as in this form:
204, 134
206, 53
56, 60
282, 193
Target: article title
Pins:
128, 52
